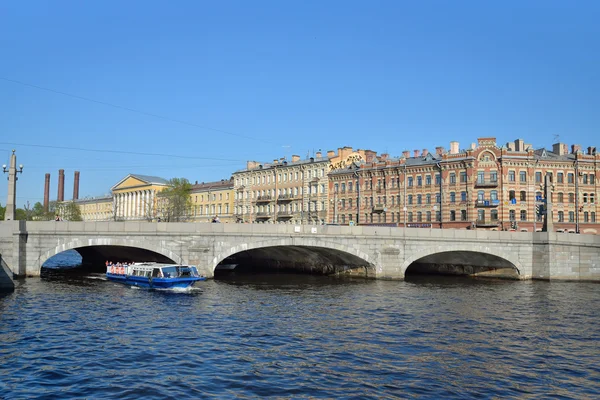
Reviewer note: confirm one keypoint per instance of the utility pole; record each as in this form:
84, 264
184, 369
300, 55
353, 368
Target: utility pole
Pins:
12, 186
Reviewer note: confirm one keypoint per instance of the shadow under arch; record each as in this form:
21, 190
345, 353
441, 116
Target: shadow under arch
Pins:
97, 251
465, 262
295, 255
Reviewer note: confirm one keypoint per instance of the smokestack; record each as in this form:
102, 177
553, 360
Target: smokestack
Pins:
61, 185
47, 192
76, 186
454, 147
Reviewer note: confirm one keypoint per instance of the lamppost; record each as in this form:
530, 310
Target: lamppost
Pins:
12, 186
576, 194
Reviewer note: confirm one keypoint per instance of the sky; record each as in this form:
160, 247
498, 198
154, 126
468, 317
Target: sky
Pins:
194, 89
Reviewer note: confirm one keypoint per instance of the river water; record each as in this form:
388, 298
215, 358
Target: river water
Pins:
71, 335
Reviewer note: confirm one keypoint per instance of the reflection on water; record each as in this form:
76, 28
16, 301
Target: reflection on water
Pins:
79, 336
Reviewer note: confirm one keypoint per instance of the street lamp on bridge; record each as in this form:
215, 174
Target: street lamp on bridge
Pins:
12, 186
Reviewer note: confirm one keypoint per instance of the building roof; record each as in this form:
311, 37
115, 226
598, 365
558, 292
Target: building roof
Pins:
223, 184
151, 179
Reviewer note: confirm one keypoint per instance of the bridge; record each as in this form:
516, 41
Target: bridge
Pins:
369, 251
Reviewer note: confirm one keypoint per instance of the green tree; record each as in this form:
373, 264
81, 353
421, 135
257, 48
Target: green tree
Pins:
175, 201
2, 211
38, 211
69, 211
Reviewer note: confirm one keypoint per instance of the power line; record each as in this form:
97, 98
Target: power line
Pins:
134, 110
119, 152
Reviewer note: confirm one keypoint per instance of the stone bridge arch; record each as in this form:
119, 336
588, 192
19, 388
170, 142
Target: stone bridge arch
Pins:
74, 244
425, 252
308, 242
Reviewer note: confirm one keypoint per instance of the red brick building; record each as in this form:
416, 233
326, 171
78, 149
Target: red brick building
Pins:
482, 187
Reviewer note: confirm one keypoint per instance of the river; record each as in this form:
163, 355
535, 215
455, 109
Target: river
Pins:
77, 335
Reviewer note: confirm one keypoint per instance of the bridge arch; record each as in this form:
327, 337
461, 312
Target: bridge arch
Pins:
484, 250
74, 244
335, 249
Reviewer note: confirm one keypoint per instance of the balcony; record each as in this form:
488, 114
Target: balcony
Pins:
484, 183
284, 215
263, 199
379, 208
263, 215
487, 203
285, 197
486, 223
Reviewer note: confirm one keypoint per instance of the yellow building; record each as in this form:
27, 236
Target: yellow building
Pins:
212, 199
96, 208
134, 197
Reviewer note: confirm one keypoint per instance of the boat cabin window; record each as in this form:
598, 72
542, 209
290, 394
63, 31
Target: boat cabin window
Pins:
169, 272
155, 272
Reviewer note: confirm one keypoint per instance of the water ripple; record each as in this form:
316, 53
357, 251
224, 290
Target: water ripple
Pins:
290, 337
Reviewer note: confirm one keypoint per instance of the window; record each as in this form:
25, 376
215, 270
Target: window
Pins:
463, 215
438, 216
410, 217
571, 197
463, 177
511, 195
452, 215
593, 217
428, 180
561, 216
560, 177
481, 214
480, 177
453, 178
523, 196
586, 217
438, 179
494, 214
419, 198
438, 198
480, 195
570, 178
419, 216
410, 199
560, 197
571, 216
511, 215
494, 195
538, 177
592, 200
523, 176
585, 179
592, 179
511, 176
428, 199
463, 197
494, 176
585, 197
419, 181
428, 216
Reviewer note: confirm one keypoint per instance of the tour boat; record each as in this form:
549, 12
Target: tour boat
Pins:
154, 275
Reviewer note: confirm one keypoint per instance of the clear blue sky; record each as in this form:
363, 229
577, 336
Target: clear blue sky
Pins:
217, 83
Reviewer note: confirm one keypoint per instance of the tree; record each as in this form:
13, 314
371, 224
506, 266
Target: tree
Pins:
176, 200
69, 211
2, 211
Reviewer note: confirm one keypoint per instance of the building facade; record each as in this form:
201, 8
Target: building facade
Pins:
213, 199
283, 191
96, 208
482, 187
134, 197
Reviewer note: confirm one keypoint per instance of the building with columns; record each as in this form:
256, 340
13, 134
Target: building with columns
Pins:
485, 186
212, 199
134, 197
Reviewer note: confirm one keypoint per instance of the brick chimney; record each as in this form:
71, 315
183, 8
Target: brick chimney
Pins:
425, 152
439, 150
319, 154
416, 153
454, 147
519, 145
295, 158
76, 186
560, 148
591, 151
575, 148
47, 192
330, 154
406, 154
61, 185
